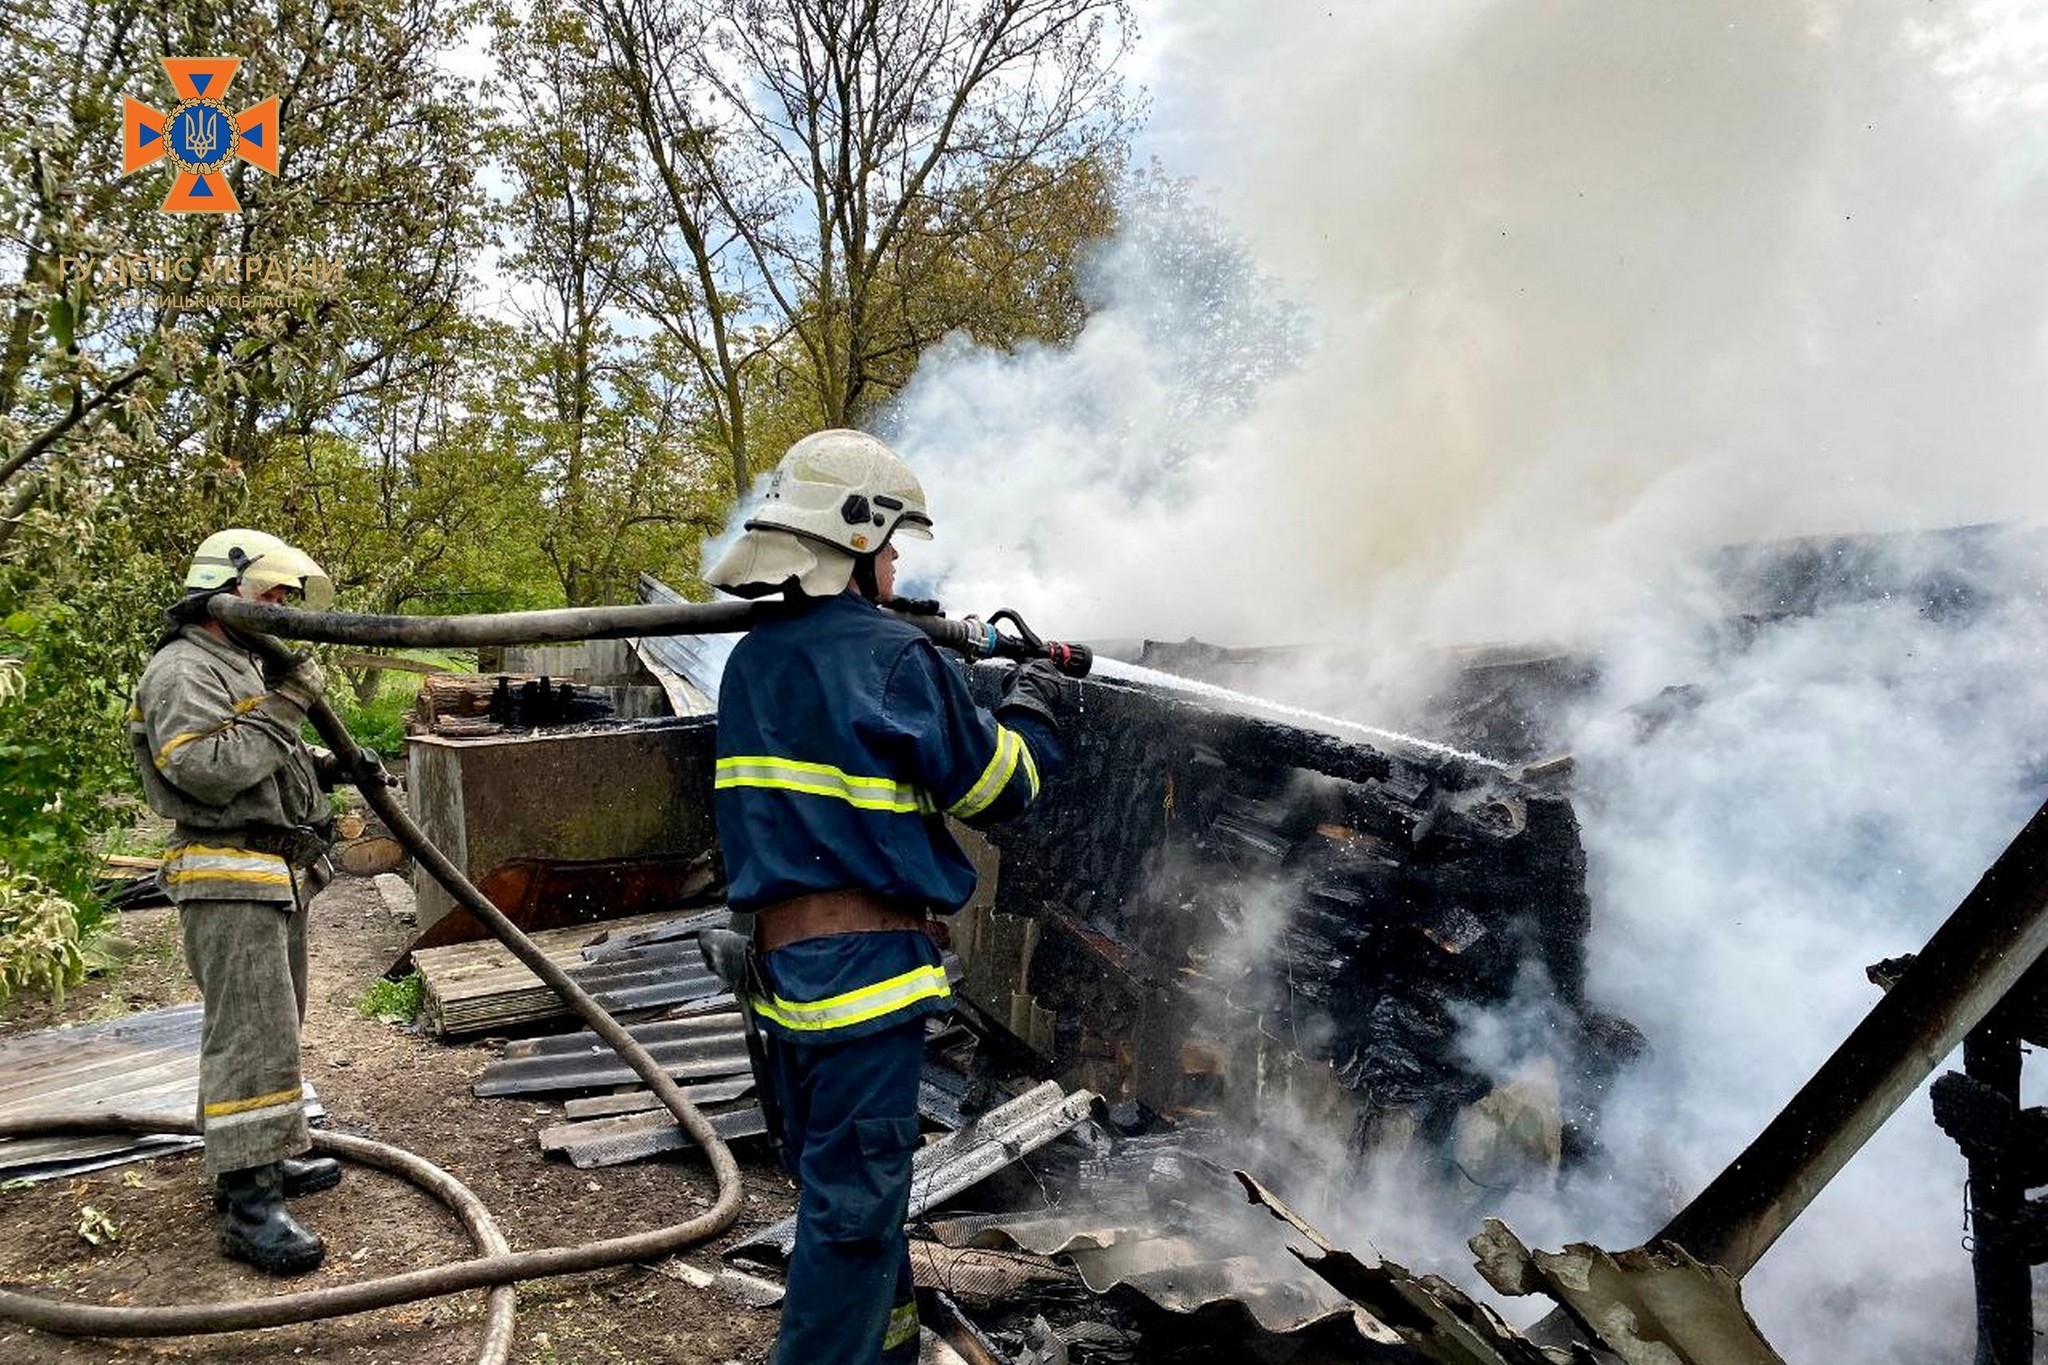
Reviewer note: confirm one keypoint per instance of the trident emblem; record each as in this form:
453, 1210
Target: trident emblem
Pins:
201, 137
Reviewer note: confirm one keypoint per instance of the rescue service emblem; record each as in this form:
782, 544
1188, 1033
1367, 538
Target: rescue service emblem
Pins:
201, 137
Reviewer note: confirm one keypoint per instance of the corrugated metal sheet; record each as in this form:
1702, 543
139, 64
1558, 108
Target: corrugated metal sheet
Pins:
681, 927
1433, 1317
1650, 1305
959, 1160
689, 666
1178, 1271
689, 1049
1186, 1241
635, 1137
472, 987
142, 1064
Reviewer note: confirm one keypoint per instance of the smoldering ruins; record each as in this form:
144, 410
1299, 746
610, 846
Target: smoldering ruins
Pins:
1251, 980
1222, 915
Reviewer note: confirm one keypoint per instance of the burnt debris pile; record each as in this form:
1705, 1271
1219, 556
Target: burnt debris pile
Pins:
1218, 914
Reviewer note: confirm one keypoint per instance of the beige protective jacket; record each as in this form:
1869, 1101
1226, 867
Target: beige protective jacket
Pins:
220, 754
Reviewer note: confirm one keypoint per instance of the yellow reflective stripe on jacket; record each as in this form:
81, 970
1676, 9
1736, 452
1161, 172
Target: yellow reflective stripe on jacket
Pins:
1002, 766
902, 1326
201, 863
856, 1007
242, 708
275, 1099
820, 779
1030, 765
176, 742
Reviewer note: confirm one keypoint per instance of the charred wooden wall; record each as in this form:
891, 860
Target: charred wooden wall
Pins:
1214, 911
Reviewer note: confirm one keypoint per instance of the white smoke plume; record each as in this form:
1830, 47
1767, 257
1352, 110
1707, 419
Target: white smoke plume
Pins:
1586, 289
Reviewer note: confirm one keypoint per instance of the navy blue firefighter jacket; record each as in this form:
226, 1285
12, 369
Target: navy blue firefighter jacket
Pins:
844, 738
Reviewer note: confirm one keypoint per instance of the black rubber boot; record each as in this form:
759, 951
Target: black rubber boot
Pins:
309, 1175
250, 1217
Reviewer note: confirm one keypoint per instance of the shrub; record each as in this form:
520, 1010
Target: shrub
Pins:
394, 1002
39, 938
84, 607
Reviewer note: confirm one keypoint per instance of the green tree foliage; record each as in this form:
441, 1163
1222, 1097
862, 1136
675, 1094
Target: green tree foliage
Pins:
148, 382
149, 378
608, 416
810, 158
76, 629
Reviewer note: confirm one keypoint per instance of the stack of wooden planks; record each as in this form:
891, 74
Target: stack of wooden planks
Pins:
482, 988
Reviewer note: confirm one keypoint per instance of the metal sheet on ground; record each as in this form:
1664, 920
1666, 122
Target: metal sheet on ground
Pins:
959, 1160
144, 1063
634, 1137
1180, 1273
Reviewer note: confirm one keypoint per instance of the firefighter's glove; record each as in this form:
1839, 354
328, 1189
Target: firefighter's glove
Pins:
1036, 689
302, 684
725, 953
368, 771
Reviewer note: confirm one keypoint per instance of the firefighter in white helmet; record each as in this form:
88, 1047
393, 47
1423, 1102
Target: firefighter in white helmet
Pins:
844, 739
216, 740
837, 499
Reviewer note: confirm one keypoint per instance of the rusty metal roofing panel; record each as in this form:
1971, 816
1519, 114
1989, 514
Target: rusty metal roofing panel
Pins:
959, 1160
141, 1064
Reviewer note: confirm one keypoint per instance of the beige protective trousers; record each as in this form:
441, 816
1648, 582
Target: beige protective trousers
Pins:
249, 958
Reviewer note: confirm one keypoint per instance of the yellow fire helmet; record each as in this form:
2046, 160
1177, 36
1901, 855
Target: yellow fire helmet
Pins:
256, 562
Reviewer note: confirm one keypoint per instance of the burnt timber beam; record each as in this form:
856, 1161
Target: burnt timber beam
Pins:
1986, 1121
1974, 959
1999, 1259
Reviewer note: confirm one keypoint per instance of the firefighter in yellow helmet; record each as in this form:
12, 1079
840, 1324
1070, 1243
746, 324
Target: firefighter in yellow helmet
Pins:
216, 740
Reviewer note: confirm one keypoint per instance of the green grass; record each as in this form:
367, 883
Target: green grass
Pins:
395, 1002
380, 725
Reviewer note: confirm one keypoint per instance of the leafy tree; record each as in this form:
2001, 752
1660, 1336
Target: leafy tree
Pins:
608, 417
75, 630
140, 404
423, 502
803, 152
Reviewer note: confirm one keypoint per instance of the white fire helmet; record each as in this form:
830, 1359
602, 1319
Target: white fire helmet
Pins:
835, 496
256, 563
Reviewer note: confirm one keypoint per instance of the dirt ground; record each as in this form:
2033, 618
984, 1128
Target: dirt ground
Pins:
384, 1082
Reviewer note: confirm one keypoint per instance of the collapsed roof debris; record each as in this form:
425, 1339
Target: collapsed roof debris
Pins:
1651, 1305
1155, 1216
959, 1160
480, 987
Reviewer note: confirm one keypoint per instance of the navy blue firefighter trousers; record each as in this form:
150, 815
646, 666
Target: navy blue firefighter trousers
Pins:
849, 1120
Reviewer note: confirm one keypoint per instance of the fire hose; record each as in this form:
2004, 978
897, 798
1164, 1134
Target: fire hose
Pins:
498, 1267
